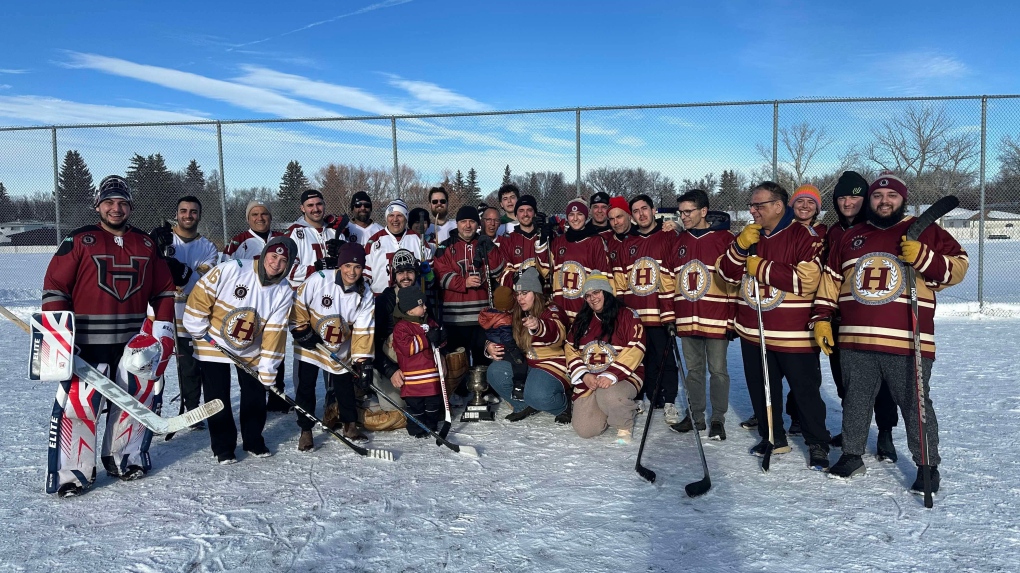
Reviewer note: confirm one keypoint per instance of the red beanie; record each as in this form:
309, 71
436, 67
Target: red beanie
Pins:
619, 203
888, 180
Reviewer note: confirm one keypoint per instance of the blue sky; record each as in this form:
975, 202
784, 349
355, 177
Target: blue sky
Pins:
66, 62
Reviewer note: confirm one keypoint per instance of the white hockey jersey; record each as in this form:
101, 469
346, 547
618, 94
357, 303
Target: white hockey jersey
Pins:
379, 256
244, 317
311, 246
247, 245
345, 319
436, 235
363, 235
201, 255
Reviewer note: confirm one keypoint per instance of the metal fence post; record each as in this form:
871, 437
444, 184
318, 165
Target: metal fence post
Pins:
981, 220
577, 181
775, 140
223, 183
396, 165
56, 184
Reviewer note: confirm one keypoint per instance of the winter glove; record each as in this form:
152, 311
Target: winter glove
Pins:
753, 262
485, 245
306, 338
179, 272
823, 336
910, 251
163, 236
731, 335
336, 223
363, 378
436, 336
541, 219
749, 236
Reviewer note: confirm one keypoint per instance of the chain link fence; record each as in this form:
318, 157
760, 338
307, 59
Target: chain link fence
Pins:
966, 146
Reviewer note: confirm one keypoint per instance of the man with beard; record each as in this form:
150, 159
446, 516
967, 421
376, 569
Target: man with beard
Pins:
507, 196
786, 269
644, 275
184, 246
848, 199
599, 210
573, 257
866, 282
361, 226
526, 246
383, 244
439, 204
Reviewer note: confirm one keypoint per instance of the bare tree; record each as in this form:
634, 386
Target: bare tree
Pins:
799, 144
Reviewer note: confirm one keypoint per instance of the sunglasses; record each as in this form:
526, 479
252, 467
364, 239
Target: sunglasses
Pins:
439, 201
362, 205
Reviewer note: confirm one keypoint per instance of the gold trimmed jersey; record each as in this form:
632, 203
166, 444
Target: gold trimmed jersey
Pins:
343, 317
619, 358
572, 261
705, 304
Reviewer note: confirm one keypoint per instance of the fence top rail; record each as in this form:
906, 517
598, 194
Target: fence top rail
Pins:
771, 102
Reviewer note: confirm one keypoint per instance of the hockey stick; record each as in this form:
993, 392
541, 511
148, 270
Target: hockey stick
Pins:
701, 486
936, 211
767, 455
640, 469
466, 450
177, 364
365, 452
448, 422
126, 402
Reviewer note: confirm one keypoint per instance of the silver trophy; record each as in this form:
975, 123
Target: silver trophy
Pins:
478, 409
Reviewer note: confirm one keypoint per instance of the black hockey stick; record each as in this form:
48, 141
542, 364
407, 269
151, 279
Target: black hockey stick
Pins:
640, 469
440, 440
930, 215
704, 484
766, 459
177, 363
366, 452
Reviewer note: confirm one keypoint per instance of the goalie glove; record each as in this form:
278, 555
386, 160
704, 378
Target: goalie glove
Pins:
147, 354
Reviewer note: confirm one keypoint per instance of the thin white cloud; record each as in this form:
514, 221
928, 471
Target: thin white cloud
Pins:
5, 86
11, 71
348, 97
553, 141
38, 110
437, 96
377, 6
631, 141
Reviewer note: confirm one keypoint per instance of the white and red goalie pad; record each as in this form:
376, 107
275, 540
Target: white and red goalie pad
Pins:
51, 356
147, 353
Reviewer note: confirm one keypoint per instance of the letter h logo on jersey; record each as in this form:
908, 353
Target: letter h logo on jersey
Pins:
120, 281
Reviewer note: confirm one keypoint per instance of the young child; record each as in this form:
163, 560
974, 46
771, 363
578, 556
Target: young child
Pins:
414, 337
497, 322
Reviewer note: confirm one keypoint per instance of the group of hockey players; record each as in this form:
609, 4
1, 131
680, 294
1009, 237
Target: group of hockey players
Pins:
576, 316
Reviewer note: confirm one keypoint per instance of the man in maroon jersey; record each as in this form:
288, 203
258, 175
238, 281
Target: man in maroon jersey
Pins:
106, 274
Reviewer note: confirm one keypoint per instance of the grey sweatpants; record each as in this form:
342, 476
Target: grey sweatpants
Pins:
613, 406
863, 374
698, 351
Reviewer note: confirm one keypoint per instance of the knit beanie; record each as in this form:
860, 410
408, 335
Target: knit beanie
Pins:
526, 200
350, 253
600, 197
850, 184
577, 206
809, 191
619, 203
466, 212
360, 197
417, 214
597, 281
503, 298
888, 180
529, 280
396, 206
251, 205
410, 297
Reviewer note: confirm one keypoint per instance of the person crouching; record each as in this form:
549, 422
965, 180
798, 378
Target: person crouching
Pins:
414, 337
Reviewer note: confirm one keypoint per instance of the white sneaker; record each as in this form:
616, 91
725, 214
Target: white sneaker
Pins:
623, 437
671, 414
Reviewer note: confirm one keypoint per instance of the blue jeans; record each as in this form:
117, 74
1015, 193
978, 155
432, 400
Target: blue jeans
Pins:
542, 391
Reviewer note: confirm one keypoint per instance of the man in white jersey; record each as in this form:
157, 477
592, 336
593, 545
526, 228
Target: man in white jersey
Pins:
361, 227
310, 233
439, 204
383, 244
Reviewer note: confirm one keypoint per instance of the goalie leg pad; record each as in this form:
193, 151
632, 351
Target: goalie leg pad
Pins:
126, 441
72, 435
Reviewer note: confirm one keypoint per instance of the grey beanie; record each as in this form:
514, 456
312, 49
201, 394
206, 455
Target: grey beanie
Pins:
597, 281
529, 280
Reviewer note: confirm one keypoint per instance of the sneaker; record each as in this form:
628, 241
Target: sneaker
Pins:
717, 431
262, 452
794, 428
331, 416
226, 459
352, 433
623, 437
848, 466
492, 398
565, 416
70, 490
918, 485
305, 443
837, 441
819, 456
750, 423
780, 447
518, 416
671, 414
886, 448
132, 473
685, 425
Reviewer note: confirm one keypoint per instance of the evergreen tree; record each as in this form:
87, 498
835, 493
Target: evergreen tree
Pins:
506, 176
293, 183
155, 189
472, 192
8, 211
458, 183
76, 190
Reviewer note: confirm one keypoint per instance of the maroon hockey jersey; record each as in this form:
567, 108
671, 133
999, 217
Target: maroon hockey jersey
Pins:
415, 359
520, 250
643, 272
572, 260
705, 304
453, 265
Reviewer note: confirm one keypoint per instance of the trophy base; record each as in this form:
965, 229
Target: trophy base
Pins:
478, 414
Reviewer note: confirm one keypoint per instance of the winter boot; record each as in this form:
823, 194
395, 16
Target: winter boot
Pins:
306, 443
819, 456
794, 428
331, 416
780, 447
717, 431
565, 416
848, 466
70, 489
750, 423
886, 448
623, 437
918, 486
132, 473
352, 433
518, 416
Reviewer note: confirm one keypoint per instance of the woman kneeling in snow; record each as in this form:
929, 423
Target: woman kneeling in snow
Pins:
604, 350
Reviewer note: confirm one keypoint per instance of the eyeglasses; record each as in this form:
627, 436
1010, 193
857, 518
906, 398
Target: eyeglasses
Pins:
491, 219
362, 205
758, 206
439, 201
687, 212
592, 294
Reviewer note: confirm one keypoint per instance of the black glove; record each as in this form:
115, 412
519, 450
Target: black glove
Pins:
307, 338
337, 223
163, 236
485, 245
731, 335
436, 336
546, 232
179, 272
540, 219
363, 378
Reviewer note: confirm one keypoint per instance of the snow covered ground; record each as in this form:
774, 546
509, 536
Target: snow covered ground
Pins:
539, 498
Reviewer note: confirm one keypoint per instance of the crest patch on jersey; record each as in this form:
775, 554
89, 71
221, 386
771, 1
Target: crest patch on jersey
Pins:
88, 240
682, 252
571, 279
327, 301
693, 280
643, 278
563, 251
877, 279
240, 291
147, 243
771, 297
598, 355
518, 251
300, 234
857, 242
633, 250
171, 251
240, 327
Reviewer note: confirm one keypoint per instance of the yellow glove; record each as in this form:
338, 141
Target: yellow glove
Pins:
752, 265
909, 251
823, 336
749, 236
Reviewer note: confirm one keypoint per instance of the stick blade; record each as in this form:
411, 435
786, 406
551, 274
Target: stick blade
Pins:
766, 460
699, 487
192, 417
384, 455
468, 452
928, 501
645, 473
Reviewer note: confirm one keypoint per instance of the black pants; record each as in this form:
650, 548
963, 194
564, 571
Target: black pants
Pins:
804, 374
428, 409
657, 342
274, 402
222, 430
339, 389
886, 416
189, 374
